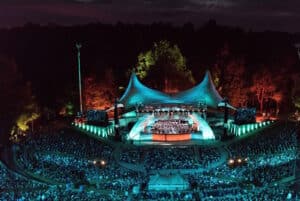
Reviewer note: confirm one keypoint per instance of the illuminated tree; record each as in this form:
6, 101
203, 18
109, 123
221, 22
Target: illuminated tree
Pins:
229, 77
99, 94
277, 96
218, 69
145, 62
234, 85
164, 67
263, 87
297, 102
18, 107
28, 113
67, 109
296, 91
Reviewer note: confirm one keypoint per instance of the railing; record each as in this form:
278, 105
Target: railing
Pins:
239, 130
98, 131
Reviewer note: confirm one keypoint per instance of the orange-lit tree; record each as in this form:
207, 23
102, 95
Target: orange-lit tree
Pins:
263, 87
277, 97
99, 94
296, 91
234, 85
229, 77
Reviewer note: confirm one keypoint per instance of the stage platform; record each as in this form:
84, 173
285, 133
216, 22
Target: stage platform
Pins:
171, 137
137, 133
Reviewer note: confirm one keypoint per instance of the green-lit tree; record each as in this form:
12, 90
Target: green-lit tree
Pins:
296, 102
164, 67
18, 107
296, 91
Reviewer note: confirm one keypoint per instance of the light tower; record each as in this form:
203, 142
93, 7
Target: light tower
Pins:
225, 100
116, 119
78, 46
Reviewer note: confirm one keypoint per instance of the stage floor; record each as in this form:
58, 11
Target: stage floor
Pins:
176, 143
137, 132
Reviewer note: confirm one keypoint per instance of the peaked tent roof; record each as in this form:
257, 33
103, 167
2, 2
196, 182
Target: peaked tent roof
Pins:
137, 93
205, 92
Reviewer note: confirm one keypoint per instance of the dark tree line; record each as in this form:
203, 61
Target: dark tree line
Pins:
46, 55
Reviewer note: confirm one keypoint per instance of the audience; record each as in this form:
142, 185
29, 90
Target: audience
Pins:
82, 168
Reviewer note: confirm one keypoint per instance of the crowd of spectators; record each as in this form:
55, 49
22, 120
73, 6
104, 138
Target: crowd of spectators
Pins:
59, 168
12, 185
215, 186
264, 175
171, 114
170, 158
165, 196
271, 158
67, 142
255, 194
67, 163
280, 137
272, 154
208, 155
171, 126
57, 193
71, 161
222, 193
133, 156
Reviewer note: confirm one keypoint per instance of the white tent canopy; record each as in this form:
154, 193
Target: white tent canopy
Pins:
205, 92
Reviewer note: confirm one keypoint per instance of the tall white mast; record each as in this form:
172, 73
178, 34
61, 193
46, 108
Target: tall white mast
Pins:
78, 46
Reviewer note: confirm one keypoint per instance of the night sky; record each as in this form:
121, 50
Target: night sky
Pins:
280, 15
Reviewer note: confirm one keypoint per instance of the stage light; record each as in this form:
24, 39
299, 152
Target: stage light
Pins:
243, 129
248, 128
239, 131
103, 162
230, 161
94, 162
239, 160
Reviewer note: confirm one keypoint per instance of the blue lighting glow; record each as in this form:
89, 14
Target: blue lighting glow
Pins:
239, 130
137, 93
138, 128
96, 130
203, 92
